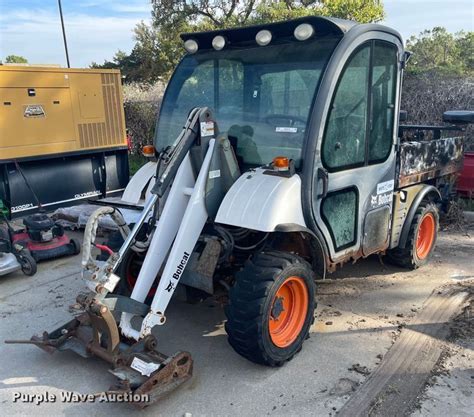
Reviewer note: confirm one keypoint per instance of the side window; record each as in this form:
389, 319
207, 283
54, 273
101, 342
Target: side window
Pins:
344, 139
339, 212
384, 78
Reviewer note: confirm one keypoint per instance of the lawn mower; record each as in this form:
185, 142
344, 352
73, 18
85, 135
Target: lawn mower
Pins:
291, 162
44, 238
13, 257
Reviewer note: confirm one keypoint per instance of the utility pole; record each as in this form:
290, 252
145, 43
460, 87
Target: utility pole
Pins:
64, 33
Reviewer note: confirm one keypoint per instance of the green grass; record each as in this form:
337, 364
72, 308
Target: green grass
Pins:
136, 162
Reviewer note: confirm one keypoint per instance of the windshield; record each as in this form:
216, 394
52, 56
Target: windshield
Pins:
261, 96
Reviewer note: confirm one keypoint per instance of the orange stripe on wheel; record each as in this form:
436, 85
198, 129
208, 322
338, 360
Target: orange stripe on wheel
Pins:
426, 236
288, 313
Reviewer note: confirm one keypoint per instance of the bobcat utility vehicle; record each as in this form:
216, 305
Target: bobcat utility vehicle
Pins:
279, 157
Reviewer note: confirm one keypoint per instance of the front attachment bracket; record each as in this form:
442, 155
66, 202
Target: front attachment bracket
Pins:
143, 373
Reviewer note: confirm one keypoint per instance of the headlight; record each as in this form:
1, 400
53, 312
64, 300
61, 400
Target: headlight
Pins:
304, 31
264, 37
191, 46
218, 43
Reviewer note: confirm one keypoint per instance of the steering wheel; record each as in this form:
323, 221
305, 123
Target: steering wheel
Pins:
291, 119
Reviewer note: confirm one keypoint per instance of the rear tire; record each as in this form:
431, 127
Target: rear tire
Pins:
271, 308
421, 238
75, 246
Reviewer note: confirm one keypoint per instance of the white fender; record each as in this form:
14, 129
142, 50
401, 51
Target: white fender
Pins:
136, 186
261, 202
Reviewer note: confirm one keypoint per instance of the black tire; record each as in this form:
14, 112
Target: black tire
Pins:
410, 256
27, 262
75, 246
252, 302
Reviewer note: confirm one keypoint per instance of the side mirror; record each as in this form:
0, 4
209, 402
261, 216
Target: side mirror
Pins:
403, 116
407, 55
458, 117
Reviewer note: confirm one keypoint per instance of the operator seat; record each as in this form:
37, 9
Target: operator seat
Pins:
240, 138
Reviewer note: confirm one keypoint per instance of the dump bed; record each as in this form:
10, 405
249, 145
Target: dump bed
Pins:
423, 160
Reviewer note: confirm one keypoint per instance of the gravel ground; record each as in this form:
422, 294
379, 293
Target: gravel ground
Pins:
360, 311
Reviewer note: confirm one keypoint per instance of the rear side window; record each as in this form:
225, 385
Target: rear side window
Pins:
384, 79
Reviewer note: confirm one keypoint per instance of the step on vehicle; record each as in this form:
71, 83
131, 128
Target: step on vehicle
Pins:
291, 162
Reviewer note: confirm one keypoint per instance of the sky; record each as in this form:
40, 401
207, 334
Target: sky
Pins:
96, 29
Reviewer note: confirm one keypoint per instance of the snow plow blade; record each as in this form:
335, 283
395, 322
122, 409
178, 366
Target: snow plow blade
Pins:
143, 374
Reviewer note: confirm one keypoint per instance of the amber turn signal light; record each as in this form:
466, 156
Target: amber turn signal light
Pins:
148, 151
281, 163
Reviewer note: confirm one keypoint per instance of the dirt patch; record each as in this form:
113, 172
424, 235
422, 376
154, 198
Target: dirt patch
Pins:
393, 388
462, 327
448, 378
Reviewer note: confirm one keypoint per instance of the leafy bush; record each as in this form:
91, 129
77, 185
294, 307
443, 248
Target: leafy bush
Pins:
142, 104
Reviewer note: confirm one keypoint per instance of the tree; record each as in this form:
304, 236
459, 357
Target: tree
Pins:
144, 63
170, 18
228, 13
440, 51
158, 46
15, 59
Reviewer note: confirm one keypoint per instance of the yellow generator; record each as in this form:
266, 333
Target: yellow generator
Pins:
62, 136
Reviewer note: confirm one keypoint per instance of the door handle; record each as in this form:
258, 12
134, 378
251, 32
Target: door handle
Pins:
323, 176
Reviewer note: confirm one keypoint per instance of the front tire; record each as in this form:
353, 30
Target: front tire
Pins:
27, 262
271, 308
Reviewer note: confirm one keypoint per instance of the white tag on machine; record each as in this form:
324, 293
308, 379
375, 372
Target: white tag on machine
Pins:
284, 129
384, 187
214, 174
207, 129
145, 368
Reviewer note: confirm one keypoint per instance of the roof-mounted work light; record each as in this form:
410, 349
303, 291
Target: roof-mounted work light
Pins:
264, 37
191, 46
218, 42
304, 31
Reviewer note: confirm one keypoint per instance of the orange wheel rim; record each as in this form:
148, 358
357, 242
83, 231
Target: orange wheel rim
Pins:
288, 311
426, 236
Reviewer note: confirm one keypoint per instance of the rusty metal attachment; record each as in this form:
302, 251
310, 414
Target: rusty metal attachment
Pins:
142, 371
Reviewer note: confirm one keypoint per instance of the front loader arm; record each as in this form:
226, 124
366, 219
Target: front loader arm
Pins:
190, 228
179, 150
182, 220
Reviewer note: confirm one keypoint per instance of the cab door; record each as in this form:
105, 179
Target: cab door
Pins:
354, 175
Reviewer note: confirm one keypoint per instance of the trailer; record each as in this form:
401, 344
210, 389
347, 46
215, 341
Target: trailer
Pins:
64, 129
